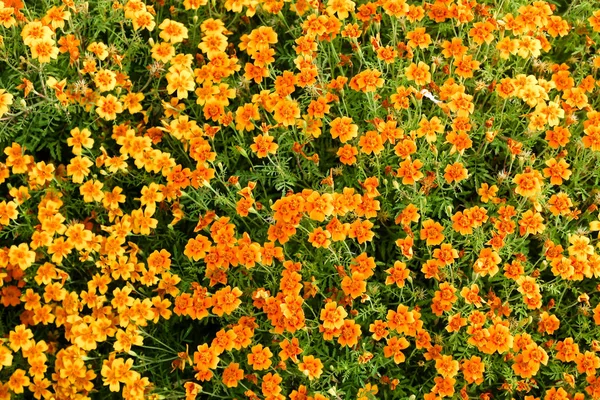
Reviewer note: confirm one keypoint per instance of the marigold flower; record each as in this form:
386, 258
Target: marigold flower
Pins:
226, 300
431, 231
409, 171
260, 357
6, 99
343, 128
205, 358
232, 375
311, 367
394, 348
419, 73
397, 274
286, 112
548, 323
349, 333
455, 172
108, 107
333, 315
529, 183
557, 171
361, 230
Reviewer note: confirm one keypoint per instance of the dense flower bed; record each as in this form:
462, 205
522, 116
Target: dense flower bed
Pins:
270, 199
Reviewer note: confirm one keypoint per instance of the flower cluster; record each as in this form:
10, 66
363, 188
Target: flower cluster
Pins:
304, 199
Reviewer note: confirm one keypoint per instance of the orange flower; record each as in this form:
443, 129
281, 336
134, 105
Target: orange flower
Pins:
455, 172
363, 265
587, 363
270, 385
405, 246
445, 254
18, 381
594, 21
473, 370
400, 99
487, 262
446, 366
354, 286
223, 341
455, 322
192, 389
394, 349
560, 204
366, 81
290, 349
343, 128
260, 357
361, 230
556, 394
379, 329
401, 319
529, 183
462, 222
408, 215
21, 255
592, 138
337, 230
20, 338
197, 247
471, 295
558, 137
531, 222
431, 231
263, 145
78, 168
318, 206
455, 48
557, 171
226, 300
461, 104
286, 112
548, 323
333, 315
397, 274
567, 350
347, 154
465, 66
367, 392
409, 171
499, 339
418, 73
487, 192
232, 375
481, 32
108, 107
444, 387
418, 38
172, 31
311, 367
319, 238
371, 142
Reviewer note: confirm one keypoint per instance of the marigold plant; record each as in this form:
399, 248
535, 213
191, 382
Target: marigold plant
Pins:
302, 199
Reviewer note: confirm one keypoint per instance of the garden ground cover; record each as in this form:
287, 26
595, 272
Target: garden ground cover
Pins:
264, 199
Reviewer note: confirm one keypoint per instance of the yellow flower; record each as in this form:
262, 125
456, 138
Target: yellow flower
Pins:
173, 31
108, 107
35, 31
105, 80
6, 99
44, 50
180, 81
